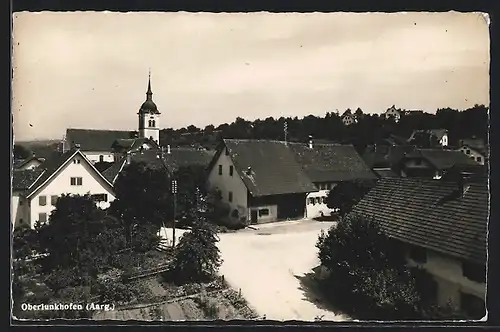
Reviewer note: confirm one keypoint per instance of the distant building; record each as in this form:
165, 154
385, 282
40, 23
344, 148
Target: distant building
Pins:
441, 136
442, 228
265, 181
434, 163
475, 149
28, 163
98, 145
348, 118
35, 190
393, 113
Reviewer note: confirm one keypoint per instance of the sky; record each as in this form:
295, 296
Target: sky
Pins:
90, 69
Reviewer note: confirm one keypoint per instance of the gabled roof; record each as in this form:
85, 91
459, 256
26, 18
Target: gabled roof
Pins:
51, 166
281, 168
133, 143
442, 159
274, 168
476, 144
429, 213
385, 173
21, 162
95, 140
439, 133
22, 179
331, 162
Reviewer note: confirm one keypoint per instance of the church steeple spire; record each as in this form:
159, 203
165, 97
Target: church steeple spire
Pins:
149, 93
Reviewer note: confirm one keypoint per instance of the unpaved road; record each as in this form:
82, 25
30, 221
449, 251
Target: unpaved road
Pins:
267, 265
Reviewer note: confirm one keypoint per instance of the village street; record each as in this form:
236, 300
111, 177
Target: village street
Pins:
271, 265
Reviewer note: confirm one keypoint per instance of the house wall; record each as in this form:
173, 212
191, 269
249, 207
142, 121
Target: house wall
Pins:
393, 114
19, 209
94, 156
444, 140
473, 154
61, 184
348, 120
447, 272
316, 203
226, 183
146, 131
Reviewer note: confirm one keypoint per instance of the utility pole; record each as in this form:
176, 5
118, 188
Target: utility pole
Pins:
286, 131
174, 192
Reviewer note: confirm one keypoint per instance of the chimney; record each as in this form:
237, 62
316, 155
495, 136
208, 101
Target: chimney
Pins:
77, 146
463, 183
249, 170
310, 142
168, 149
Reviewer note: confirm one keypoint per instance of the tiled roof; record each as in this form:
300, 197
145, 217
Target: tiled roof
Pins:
443, 159
430, 214
386, 156
274, 168
385, 173
280, 168
21, 162
183, 157
22, 179
178, 157
331, 162
95, 140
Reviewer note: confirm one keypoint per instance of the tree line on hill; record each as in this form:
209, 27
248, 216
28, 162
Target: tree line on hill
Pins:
369, 129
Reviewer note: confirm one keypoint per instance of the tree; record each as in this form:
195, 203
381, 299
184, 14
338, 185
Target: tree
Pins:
347, 194
367, 270
423, 139
79, 236
21, 152
190, 180
197, 256
143, 196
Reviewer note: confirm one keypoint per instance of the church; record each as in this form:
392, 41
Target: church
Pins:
109, 145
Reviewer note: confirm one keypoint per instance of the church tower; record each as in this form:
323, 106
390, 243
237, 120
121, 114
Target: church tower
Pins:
149, 117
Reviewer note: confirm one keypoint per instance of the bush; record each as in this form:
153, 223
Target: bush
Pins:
115, 292
60, 279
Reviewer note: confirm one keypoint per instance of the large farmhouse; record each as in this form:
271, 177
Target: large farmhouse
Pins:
264, 181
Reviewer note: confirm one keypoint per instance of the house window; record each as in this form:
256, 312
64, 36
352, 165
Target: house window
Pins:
472, 305
42, 200
311, 200
467, 151
318, 200
152, 123
101, 158
227, 152
20, 202
230, 196
479, 159
263, 212
42, 217
418, 254
100, 197
76, 181
220, 169
231, 170
474, 272
323, 200
76, 161
21, 220
53, 200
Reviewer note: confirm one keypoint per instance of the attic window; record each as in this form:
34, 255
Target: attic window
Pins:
467, 151
227, 152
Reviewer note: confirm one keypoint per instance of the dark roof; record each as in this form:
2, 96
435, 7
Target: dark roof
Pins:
385, 156
442, 159
331, 162
178, 157
426, 213
476, 144
22, 179
96, 140
183, 157
439, 133
133, 143
21, 162
385, 173
274, 167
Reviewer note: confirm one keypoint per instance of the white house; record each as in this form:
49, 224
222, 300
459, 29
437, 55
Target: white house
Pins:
348, 118
439, 232
28, 163
264, 181
35, 191
393, 114
475, 149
